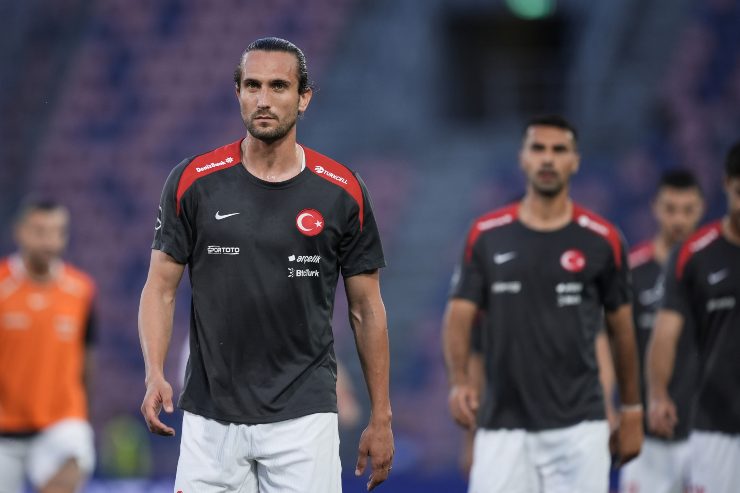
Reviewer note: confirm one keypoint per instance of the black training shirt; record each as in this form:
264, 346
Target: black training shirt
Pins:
264, 260
544, 294
648, 285
703, 284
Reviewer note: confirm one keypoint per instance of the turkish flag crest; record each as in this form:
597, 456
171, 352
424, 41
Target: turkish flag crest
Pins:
573, 260
310, 222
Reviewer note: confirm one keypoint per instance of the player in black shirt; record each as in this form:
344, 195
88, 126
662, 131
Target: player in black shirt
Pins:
265, 227
663, 465
544, 270
703, 286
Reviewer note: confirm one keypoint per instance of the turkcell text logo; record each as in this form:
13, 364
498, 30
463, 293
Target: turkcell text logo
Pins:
323, 171
201, 169
222, 250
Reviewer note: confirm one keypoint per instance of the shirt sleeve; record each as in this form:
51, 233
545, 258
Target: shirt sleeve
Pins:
615, 282
676, 296
360, 249
468, 280
173, 233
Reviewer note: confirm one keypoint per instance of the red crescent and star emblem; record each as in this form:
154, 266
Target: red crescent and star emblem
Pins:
573, 260
310, 222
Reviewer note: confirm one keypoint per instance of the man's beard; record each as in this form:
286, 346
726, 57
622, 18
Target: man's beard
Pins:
273, 134
548, 191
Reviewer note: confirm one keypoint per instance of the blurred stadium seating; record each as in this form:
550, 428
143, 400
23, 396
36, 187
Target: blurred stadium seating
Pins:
101, 99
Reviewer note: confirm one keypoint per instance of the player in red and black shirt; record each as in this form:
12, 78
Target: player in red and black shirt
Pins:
265, 227
544, 270
663, 465
703, 286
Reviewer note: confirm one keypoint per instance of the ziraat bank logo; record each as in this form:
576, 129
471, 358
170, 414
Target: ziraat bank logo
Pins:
323, 171
222, 250
201, 169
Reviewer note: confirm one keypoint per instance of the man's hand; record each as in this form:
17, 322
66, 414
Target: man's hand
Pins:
463, 402
158, 395
376, 442
626, 440
662, 416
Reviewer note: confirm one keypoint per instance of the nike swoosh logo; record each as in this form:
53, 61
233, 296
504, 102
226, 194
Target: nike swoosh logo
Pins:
502, 258
717, 277
219, 216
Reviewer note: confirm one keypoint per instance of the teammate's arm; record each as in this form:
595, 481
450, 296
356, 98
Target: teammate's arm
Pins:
458, 322
630, 434
156, 312
661, 355
368, 321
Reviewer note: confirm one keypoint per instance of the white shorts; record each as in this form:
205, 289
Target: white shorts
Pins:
661, 467
565, 460
715, 462
298, 455
41, 456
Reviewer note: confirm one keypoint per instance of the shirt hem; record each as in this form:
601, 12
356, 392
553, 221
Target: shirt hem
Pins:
256, 420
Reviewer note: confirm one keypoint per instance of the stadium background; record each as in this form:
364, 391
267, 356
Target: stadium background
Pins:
425, 98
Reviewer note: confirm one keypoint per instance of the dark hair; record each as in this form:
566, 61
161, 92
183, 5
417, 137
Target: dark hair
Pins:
681, 179
277, 44
551, 121
37, 205
732, 161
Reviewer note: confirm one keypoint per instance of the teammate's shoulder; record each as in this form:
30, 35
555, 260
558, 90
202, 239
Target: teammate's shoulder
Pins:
5, 268
700, 240
593, 222
641, 254
76, 281
496, 218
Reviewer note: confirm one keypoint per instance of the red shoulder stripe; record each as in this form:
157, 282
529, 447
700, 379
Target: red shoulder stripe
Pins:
205, 164
592, 221
641, 254
491, 220
698, 241
337, 174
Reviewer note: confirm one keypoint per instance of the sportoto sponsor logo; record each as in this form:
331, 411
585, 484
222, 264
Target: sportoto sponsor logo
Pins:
309, 222
201, 169
323, 171
513, 287
573, 260
221, 250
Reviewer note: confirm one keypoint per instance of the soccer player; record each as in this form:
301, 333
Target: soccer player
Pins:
663, 466
46, 331
265, 227
543, 269
703, 286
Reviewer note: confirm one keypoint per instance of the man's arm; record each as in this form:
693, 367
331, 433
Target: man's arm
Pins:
661, 355
622, 337
477, 378
607, 376
458, 321
368, 321
156, 312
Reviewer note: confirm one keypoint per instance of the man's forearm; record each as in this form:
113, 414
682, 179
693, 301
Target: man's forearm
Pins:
368, 321
456, 339
622, 337
156, 312
661, 353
